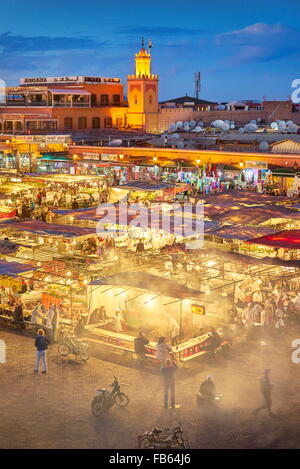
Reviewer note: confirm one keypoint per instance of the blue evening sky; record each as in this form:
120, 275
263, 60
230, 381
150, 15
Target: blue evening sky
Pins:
243, 49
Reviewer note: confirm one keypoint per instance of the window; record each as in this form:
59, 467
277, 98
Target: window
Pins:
150, 99
93, 99
96, 123
135, 99
116, 99
104, 99
107, 122
82, 123
68, 123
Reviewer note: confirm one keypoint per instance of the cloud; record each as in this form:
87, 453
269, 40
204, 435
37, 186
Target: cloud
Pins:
159, 31
260, 42
12, 44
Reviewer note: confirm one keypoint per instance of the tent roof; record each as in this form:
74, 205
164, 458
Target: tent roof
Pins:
152, 283
143, 186
289, 239
240, 232
12, 269
256, 215
256, 261
43, 229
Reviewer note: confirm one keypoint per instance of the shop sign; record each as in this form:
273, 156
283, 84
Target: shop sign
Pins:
109, 157
91, 156
67, 79
198, 309
256, 164
42, 139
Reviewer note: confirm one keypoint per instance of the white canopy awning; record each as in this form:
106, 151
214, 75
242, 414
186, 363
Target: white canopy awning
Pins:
76, 91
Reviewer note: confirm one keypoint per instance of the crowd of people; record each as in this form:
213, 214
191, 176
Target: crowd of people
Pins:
38, 204
271, 304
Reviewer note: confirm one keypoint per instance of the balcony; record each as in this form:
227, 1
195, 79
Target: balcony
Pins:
24, 103
62, 104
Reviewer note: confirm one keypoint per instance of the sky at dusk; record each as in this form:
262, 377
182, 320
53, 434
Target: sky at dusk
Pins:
243, 49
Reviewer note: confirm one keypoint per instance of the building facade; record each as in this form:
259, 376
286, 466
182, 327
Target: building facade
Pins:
80, 103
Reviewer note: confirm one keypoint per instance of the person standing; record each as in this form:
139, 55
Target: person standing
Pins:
163, 350
266, 389
117, 321
55, 322
174, 329
50, 315
35, 314
18, 312
168, 370
41, 344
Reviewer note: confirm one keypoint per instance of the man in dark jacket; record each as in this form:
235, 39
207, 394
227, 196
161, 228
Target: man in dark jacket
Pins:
168, 372
18, 312
41, 344
139, 346
208, 388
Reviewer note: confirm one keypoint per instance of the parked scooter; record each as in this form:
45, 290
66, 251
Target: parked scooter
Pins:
106, 399
153, 439
70, 344
208, 398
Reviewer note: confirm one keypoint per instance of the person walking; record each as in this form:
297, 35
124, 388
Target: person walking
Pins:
168, 370
41, 344
266, 390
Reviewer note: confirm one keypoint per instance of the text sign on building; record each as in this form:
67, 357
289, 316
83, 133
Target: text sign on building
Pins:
68, 79
256, 164
42, 138
198, 309
91, 156
109, 157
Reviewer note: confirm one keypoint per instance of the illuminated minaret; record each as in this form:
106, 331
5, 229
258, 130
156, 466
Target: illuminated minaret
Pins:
143, 93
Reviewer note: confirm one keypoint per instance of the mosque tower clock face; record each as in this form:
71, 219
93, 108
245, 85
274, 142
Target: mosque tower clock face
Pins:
143, 94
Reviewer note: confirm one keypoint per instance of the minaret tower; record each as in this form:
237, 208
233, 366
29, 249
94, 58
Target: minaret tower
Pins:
143, 93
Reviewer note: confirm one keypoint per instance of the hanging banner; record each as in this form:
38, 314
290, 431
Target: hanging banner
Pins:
48, 299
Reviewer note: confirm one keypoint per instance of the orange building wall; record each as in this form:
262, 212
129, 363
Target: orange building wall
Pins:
206, 156
118, 112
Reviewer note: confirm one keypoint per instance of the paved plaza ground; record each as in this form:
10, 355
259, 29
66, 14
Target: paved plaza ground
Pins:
54, 410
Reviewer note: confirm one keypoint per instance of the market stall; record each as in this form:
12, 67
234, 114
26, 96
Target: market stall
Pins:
137, 301
145, 191
63, 189
44, 240
283, 244
13, 285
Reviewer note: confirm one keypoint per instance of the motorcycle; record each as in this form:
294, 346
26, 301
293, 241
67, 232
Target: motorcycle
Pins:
106, 399
70, 344
208, 398
154, 440
222, 349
